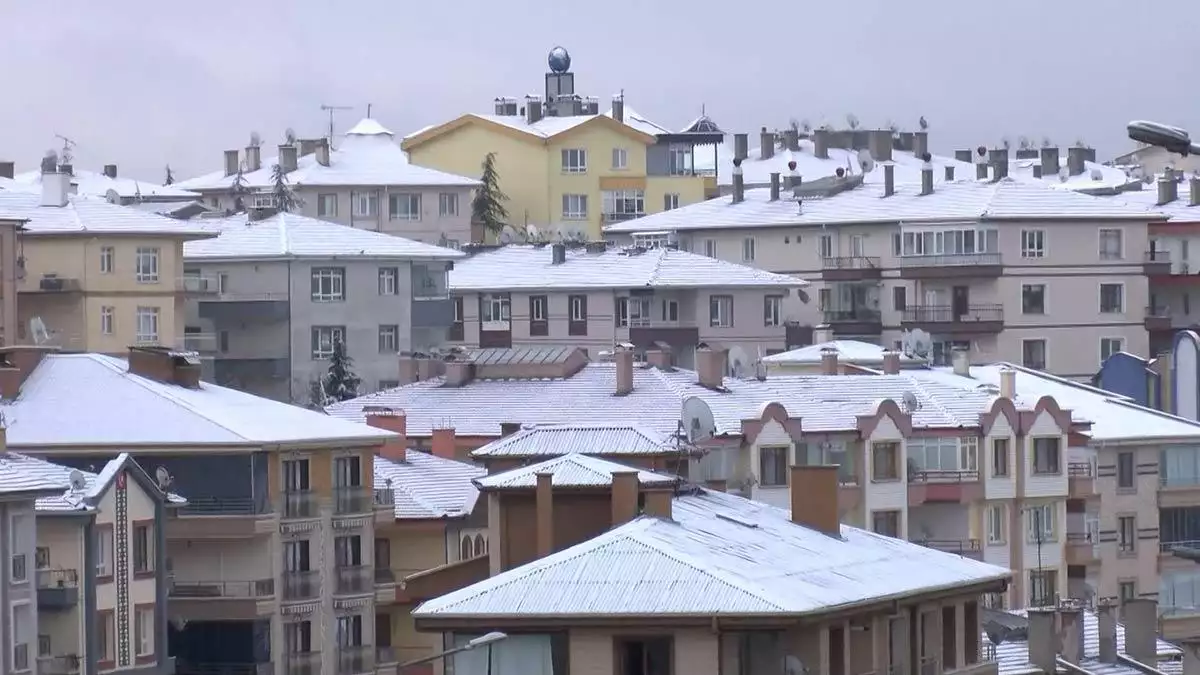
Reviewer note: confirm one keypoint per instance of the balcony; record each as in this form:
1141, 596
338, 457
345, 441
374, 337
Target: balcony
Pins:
851, 268
970, 548
197, 284
682, 335
222, 590
432, 312
1080, 549
1178, 489
302, 663
1157, 318
235, 307
961, 266
355, 580
200, 342
943, 486
221, 518
948, 320
385, 654
853, 321
302, 585
355, 500
298, 505
52, 283
607, 218
57, 589
356, 660
68, 664
1156, 263
1081, 480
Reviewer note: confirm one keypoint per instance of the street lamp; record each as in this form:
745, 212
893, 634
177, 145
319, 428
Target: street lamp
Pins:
1173, 139
486, 640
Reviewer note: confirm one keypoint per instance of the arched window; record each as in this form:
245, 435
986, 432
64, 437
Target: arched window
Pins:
480, 545
464, 552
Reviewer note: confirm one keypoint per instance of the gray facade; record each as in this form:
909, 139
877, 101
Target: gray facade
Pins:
18, 606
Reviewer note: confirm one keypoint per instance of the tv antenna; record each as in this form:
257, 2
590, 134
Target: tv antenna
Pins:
68, 146
333, 110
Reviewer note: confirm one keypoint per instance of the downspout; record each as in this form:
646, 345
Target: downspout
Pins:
91, 640
292, 338
162, 585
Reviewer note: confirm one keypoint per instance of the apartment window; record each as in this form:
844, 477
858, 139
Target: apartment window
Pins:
147, 324
19, 538
649, 655
670, 311
1126, 535
1043, 586
720, 311
999, 458
105, 632
1126, 590
1110, 346
539, 324
624, 204
147, 265
296, 556
104, 550
389, 278
448, 204
107, 320
574, 160
1040, 524
885, 461
1033, 298
748, 249
347, 550
773, 310
143, 549
997, 524
263, 200
1111, 244
495, 307
773, 466
1033, 354
223, 341
328, 284
1033, 244
1047, 456
577, 315
323, 339
297, 637
143, 630
886, 523
41, 558
620, 157
1125, 470
1112, 298
349, 630
389, 339
366, 204
22, 629
670, 201
404, 206
574, 207
825, 246
633, 312
108, 256
710, 248
327, 205
457, 331
899, 298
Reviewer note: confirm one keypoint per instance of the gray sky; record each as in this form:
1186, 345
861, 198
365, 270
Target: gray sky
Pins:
144, 83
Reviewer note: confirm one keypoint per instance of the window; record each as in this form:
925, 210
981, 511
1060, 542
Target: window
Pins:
262, 200
936, 453
1046, 456
539, 325
773, 310
389, 278
104, 550
143, 630
1126, 590
106, 320
825, 246
1125, 470
105, 632
574, 160
389, 339
670, 201
448, 204
328, 284
1126, 535
886, 523
680, 161
349, 630
456, 332
748, 249
645, 656
710, 248
899, 298
147, 325
1110, 346
633, 312
1033, 298
577, 315
1043, 586
22, 630
384, 385
366, 204
720, 311
297, 637
574, 207
1033, 354
223, 341
1112, 298
997, 524
1111, 244
885, 460
620, 157
41, 558
773, 466
296, 556
21, 537
147, 265
108, 257
623, 204
494, 307
952, 242
143, 549
347, 550
670, 311
323, 339
404, 206
999, 458
1033, 244
1040, 524
327, 205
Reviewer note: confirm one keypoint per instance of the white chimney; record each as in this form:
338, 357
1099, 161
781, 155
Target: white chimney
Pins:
1008, 383
962, 362
55, 187
822, 334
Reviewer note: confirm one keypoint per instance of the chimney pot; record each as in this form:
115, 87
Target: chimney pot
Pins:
1008, 383
1037, 170
253, 158
829, 361
741, 146
509, 428
889, 180
1168, 189
534, 111
110, 170
1194, 191
961, 360
558, 254
322, 151
442, 443
821, 143
891, 362
775, 186
949, 173
1043, 639
766, 144
822, 334
624, 361
880, 144
963, 156
920, 146
390, 420
1076, 157
545, 513
1141, 629
1049, 161
288, 158
1072, 634
1106, 622
739, 186
231, 162
7, 169
409, 371
981, 171
56, 186
459, 372
792, 138
660, 357
711, 367
165, 365
625, 488
618, 108
814, 496
926, 179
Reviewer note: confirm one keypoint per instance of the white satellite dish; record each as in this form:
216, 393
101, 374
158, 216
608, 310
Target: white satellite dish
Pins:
38, 331
865, 161
112, 196
76, 479
532, 233
911, 402
740, 363
916, 343
794, 666
697, 419
163, 477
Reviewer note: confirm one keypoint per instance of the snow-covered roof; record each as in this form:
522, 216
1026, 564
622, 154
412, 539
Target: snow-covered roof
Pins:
550, 126
572, 470
96, 184
171, 209
524, 266
697, 563
286, 235
109, 406
1005, 199
551, 440
1013, 653
1178, 210
849, 351
429, 487
90, 215
367, 156
59, 476
17, 478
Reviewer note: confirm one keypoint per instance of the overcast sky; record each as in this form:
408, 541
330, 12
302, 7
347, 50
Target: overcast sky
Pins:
145, 83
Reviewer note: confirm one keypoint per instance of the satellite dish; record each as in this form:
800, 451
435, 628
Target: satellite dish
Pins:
505, 237
911, 402
916, 343
740, 363
1063, 174
289, 136
255, 139
532, 233
981, 155
865, 161
794, 666
697, 419
163, 477
112, 196
76, 480
38, 331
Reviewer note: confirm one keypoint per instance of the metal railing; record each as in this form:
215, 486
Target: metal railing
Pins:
59, 665
57, 578
1169, 546
200, 342
958, 546
1079, 538
258, 588
1178, 481
942, 476
853, 262
302, 663
198, 283
1158, 256
355, 579
299, 504
305, 585
1079, 469
953, 260
355, 660
384, 497
384, 575
845, 315
239, 296
355, 499
224, 506
1157, 312
950, 314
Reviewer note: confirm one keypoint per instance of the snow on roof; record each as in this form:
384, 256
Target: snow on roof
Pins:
639, 121
170, 209
14, 186
59, 476
286, 235
90, 215
572, 470
367, 156
550, 440
550, 126
108, 406
19, 474
849, 351
1179, 210
1113, 417
1013, 653
97, 184
429, 487
699, 563
522, 266
1006, 199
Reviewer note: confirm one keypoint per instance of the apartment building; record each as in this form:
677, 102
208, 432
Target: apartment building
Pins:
713, 610
1016, 271
288, 286
107, 184
366, 182
272, 557
96, 276
568, 168
595, 296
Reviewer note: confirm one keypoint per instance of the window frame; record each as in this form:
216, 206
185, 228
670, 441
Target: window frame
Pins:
1033, 244
1049, 529
147, 269
1107, 344
716, 315
996, 525
772, 311
108, 259
892, 465
777, 475
317, 334
1056, 458
384, 331
1127, 541
892, 521
1045, 353
447, 204
1100, 241
574, 160
1000, 458
151, 314
364, 204
334, 277
323, 201
1034, 312
748, 249
576, 211
620, 159
1120, 290
408, 199
108, 319
1126, 457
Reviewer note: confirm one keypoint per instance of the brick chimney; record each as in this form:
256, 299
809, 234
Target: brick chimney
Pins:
660, 357
253, 158
1049, 161
323, 152
717, 484
442, 443
711, 367
624, 359
390, 420
409, 371
545, 513
459, 372
891, 362
960, 358
509, 428
1043, 639
165, 365
766, 144
429, 367
625, 488
1008, 383
110, 170
814, 493
1141, 629
1106, 621
1071, 618
288, 158
231, 162
829, 361
658, 503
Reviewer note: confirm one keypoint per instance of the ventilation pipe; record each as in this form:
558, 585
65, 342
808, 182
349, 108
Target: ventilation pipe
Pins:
766, 144
739, 186
775, 186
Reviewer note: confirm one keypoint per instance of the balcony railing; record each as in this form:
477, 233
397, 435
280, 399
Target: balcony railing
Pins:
854, 262
299, 504
356, 499
302, 663
305, 585
1079, 538
1158, 311
58, 578
199, 342
1170, 546
259, 588
916, 475
196, 283
59, 665
384, 497
355, 579
1079, 470
1158, 256
224, 506
355, 660
619, 217
955, 260
385, 654
384, 575
957, 546
950, 314
851, 315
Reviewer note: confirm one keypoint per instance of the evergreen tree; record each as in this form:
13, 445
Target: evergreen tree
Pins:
170, 176
488, 206
340, 382
237, 190
285, 199
317, 400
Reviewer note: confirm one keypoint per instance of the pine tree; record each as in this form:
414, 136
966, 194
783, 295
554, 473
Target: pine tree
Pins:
488, 206
237, 190
317, 399
340, 383
170, 176
285, 199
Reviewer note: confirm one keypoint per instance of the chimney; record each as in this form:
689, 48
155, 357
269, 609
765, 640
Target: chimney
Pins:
10, 382
558, 254
1008, 383
963, 156
1191, 656
533, 110
253, 158
741, 146
814, 493
323, 151
442, 443
981, 170
390, 420
624, 496
1106, 622
880, 144
926, 177
716, 484
791, 139
68, 169
459, 372
165, 365
793, 180
739, 186
624, 360
1168, 189
889, 180
710, 367
429, 368
1141, 627
308, 146
766, 144
949, 173
657, 503
961, 360
1049, 161
920, 144
1037, 170
821, 143
231, 162
55, 185
545, 513
660, 357
7, 169
1071, 617
1194, 191
998, 158
618, 108
822, 334
110, 170
409, 370
1075, 160
775, 186
288, 158
891, 362
829, 361
1043, 639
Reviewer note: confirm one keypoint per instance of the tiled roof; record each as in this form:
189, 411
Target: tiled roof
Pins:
58, 477
551, 126
551, 440
1178, 210
16, 475
721, 554
367, 156
96, 184
1013, 654
429, 487
849, 351
90, 215
570, 471
286, 235
523, 266
1006, 199
108, 406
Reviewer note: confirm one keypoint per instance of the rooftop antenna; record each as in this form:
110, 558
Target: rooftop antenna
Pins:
67, 154
368, 111
332, 110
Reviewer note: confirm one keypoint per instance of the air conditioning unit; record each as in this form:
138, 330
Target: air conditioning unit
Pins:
51, 284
